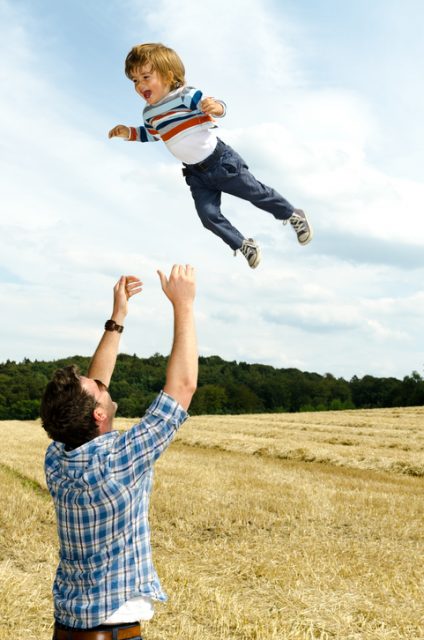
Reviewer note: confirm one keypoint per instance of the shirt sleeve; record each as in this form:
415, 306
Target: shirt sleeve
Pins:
143, 134
191, 98
135, 451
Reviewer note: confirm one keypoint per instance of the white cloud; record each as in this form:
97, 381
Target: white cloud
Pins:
229, 44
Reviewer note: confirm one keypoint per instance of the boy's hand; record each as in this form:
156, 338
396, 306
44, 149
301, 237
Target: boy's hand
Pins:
211, 107
120, 131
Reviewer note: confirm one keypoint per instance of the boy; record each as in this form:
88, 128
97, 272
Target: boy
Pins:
183, 119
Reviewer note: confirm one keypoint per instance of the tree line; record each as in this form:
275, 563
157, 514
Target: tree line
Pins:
224, 387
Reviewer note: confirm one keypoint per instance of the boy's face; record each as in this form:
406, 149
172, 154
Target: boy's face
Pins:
149, 84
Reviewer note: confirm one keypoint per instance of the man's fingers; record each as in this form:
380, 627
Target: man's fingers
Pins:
128, 285
179, 272
132, 279
188, 272
133, 286
132, 282
163, 279
133, 289
120, 283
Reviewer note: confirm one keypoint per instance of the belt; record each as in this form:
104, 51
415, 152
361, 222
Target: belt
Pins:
125, 633
209, 161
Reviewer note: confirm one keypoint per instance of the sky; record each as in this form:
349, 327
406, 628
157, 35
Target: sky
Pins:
325, 101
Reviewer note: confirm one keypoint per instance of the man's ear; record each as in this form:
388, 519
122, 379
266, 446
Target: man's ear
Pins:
100, 416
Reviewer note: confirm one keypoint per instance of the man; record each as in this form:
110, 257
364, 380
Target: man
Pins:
101, 480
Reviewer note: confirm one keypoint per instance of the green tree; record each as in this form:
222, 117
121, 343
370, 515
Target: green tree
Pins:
209, 399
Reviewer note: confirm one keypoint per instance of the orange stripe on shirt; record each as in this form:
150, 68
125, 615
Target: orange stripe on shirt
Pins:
186, 125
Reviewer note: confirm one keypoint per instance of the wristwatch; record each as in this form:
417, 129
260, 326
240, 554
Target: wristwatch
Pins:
111, 325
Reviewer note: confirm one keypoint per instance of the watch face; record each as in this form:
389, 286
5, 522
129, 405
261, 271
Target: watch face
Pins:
110, 325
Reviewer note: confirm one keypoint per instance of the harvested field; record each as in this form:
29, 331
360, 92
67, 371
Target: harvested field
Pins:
305, 526
380, 439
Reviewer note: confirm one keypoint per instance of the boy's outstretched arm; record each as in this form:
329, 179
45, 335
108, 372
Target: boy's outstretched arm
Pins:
140, 134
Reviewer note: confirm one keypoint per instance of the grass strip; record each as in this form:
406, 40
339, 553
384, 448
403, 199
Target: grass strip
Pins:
27, 483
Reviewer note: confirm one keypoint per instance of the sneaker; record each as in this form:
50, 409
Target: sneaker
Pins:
301, 225
251, 252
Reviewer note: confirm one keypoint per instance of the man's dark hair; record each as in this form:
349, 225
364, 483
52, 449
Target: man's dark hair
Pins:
67, 409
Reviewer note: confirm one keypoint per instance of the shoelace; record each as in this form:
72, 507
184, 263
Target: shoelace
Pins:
248, 251
298, 223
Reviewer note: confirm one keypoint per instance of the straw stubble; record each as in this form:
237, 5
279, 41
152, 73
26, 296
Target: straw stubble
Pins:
248, 547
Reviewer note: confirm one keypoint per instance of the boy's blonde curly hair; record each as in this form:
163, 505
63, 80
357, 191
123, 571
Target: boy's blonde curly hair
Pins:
162, 59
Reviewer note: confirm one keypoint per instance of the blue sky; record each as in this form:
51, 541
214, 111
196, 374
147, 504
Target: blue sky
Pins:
325, 101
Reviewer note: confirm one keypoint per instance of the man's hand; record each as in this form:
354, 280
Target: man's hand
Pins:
120, 131
212, 107
180, 287
124, 289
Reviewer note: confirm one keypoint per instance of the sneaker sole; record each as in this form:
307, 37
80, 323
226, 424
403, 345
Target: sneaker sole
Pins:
311, 233
309, 238
257, 260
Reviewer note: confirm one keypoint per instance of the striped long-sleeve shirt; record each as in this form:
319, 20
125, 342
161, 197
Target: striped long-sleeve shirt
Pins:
101, 495
175, 117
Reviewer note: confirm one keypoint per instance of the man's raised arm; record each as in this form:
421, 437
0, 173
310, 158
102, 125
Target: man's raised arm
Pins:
104, 359
182, 369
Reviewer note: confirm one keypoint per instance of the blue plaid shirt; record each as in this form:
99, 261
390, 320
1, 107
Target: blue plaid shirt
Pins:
101, 493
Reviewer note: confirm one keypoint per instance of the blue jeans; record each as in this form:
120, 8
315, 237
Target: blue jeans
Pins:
226, 172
